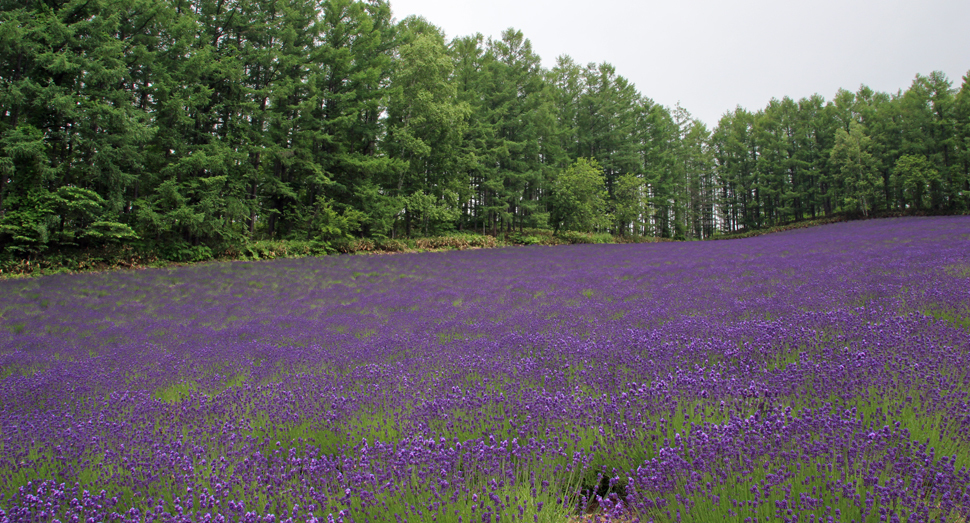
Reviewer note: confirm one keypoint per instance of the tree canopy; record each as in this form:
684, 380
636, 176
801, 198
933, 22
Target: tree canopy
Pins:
192, 125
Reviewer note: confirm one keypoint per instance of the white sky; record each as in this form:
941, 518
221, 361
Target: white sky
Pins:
713, 55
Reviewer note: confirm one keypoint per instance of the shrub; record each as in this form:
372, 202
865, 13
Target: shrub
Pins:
271, 250
456, 241
390, 245
362, 245
573, 237
525, 239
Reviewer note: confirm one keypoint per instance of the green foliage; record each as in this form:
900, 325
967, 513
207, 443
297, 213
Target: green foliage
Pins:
270, 250
391, 245
579, 197
525, 239
194, 128
184, 252
425, 125
108, 232
434, 214
25, 227
333, 230
576, 237
913, 178
860, 181
629, 199
457, 241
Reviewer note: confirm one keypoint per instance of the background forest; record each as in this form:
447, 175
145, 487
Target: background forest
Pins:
193, 126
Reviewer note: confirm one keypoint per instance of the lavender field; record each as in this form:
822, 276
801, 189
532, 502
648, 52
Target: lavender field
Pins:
816, 375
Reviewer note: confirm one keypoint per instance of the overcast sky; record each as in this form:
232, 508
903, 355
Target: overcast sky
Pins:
712, 55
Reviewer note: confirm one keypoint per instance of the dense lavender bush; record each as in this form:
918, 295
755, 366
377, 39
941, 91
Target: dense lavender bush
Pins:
815, 375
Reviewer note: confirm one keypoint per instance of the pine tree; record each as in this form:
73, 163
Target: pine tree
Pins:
425, 125
860, 180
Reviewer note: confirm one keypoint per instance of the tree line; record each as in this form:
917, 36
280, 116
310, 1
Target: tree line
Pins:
189, 125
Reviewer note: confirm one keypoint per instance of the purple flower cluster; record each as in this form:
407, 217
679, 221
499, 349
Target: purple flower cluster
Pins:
810, 376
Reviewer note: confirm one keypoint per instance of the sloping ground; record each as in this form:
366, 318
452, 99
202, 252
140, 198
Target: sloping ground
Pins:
816, 373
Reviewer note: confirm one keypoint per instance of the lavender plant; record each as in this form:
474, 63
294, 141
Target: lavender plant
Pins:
815, 375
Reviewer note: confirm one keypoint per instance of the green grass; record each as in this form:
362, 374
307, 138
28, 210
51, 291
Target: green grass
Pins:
177, 392
950, 316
